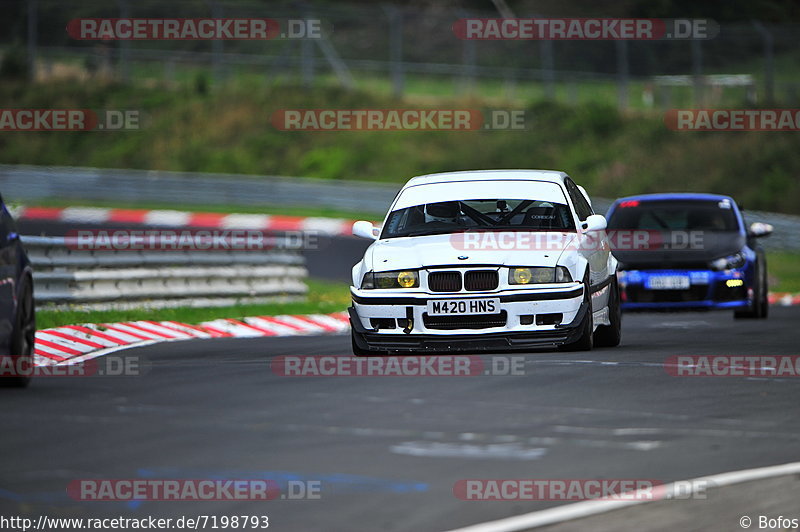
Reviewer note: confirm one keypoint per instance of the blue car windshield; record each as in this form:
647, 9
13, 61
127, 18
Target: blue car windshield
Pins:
675, 215
479, 215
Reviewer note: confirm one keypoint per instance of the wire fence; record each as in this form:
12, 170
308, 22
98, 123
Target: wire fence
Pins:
402, 49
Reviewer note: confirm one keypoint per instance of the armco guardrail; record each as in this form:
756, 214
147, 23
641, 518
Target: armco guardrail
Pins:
786, 233
64, 275
31, 183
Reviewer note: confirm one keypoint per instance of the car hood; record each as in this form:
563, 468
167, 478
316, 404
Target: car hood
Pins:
450, 249
679, 254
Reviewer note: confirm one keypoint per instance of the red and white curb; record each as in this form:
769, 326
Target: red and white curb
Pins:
168, 218
784, 299
76, 343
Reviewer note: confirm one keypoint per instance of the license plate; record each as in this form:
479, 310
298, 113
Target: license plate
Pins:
463, 307
668, 282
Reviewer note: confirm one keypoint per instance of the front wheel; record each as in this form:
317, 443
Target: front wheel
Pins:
760, 306
22, 341
610, 335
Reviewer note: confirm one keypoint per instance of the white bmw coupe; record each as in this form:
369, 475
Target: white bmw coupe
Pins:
490, 260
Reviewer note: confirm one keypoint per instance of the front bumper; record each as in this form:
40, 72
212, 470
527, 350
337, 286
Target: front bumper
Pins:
511, 332
708, 289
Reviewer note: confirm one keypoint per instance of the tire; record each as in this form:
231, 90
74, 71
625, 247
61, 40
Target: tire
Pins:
610, 335
586, 341
24, 336
764, 282
760, 307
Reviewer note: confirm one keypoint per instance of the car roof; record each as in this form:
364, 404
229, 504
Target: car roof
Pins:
666, 196
553, 176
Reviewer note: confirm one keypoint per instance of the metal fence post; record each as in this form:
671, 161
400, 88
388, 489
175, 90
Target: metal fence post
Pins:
769, 64
125, 45
395, 16
697, 72
549, 75
33, 24
468, 54
217, 46
307, 62
622, 74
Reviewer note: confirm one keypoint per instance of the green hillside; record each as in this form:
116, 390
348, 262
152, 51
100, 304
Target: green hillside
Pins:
188, 128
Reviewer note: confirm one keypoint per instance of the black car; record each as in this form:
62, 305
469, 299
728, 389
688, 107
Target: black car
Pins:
17, 314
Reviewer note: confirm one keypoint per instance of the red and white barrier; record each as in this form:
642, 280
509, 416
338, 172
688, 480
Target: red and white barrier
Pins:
61, 345
168, 218
783, 299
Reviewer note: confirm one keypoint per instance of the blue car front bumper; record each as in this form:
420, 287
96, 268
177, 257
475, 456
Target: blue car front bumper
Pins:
685, 289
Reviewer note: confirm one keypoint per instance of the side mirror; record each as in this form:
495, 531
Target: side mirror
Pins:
760, 229
365, 230
595, 222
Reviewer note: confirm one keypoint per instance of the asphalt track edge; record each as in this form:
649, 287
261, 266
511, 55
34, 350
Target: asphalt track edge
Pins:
567, 514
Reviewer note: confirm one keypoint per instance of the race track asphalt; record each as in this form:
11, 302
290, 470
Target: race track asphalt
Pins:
388, 451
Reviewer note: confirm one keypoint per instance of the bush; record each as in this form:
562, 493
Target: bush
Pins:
14, 64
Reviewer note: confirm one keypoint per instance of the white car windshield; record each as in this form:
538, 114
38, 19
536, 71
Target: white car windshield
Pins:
479, 215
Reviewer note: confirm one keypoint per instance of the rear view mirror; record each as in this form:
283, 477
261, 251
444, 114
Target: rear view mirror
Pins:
759, 229
365, 230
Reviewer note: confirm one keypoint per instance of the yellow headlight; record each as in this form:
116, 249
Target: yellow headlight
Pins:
522, 275
406, 279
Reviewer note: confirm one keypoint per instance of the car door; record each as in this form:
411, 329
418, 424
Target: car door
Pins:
593, 245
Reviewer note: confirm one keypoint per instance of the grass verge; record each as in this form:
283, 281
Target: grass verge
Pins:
784, 271
323, 297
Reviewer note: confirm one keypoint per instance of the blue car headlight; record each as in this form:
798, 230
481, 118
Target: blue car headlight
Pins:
729, 263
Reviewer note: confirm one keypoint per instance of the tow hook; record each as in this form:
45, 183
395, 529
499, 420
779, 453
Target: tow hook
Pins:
409, 320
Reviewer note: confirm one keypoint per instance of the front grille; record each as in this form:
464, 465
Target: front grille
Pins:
476, 280
664, 263
477, 321
639, 294
444, 281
